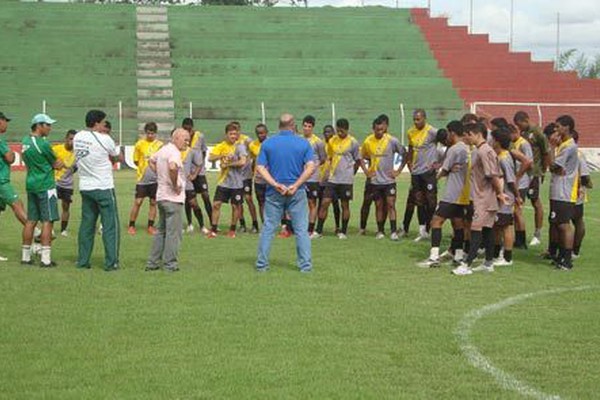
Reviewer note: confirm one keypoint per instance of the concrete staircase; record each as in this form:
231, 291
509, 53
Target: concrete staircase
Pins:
154, 82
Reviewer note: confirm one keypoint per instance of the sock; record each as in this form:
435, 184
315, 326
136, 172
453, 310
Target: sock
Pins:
26, 253
568, 254
553, 249
474, 246
457, 240
345, 225
408, 214
242, 223
520, 238
199, 217
150, 223
132, 224
508, 255
311, 227
364, 217
188, 213
538, 233
576, 249
422, 215
393, 226
208, 208
423, 230
63, 225
434, 253
232, 228
213, 227
458, 255
380, 226
337, 213
497, 250
436, 237
467, 246
488, 242
46, 254
320, 224
255, 224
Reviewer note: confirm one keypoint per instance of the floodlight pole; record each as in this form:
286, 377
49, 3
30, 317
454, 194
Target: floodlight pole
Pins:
402, 122
511, 28
556, 66
120, 123
333, 114
471, 16
263, 113
44, 106
191, 109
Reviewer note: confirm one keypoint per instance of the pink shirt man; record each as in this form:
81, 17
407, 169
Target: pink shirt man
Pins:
169, 154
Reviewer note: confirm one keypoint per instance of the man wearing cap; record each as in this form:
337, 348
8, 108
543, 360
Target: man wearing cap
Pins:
41, 188
8, 196
95, 153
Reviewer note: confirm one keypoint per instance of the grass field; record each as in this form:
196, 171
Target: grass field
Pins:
366, 324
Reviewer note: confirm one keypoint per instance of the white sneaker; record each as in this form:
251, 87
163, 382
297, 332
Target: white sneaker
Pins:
422, 237
462, 269
394, 236
380, 235
64, 234
205, 230
429, 263
315, 235
3, 258
535, 242
190, 228
575, 256
484, 268
501, 262
342, 236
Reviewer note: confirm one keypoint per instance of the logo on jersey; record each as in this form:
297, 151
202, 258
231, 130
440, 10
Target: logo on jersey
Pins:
79, 154
247, 189
204, 186
429, 186
392, 191
553, 215
314, 193
348, 193
530, 192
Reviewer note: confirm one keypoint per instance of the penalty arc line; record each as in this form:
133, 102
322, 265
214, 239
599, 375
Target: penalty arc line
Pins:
479, 361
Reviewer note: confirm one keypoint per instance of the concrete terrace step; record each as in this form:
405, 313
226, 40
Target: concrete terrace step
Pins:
152, 54
157, 83
156, 104
153, 45
151, 18
154, 73
153, 27
163, 127
151, 10
152, 35
155, 93
153, 65
155, 115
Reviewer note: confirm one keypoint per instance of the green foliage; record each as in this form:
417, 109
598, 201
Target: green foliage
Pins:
585, 66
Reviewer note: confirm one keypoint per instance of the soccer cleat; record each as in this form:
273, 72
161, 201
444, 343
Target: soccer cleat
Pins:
535, 241
205, 230
36, 249
254, 230
23, 262
64, 234
52, 264
501, 262
394, 236
3, 258
211, 235
151, 268
402, 233
575, 256
484, 268
462, 269
422, 237
131, 230
189, 229
242, 229
231, 234
315, 235
379, 235
342, 236
429, 263
446, 256
152, 230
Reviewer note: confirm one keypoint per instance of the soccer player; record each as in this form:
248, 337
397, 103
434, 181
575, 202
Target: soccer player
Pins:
486, 192
260, 186
523, 167
564, 166
198, 143
193, 161
541, 162
343, 153
146, 178
247, 173
422, 159
41, 189
457, 168
232, 154
503, 228
585, 182
328, 133
312, 184
381, 148
64, 178
8, 196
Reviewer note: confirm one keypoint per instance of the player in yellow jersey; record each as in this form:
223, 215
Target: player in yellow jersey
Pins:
146, 178
64, 177
260, 186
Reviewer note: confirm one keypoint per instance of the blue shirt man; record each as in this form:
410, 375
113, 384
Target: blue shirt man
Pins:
285, 162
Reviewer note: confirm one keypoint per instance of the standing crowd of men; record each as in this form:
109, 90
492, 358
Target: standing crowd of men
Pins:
491, 168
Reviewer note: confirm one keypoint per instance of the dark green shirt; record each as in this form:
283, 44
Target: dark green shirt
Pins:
39, 158
4, 166
540, 147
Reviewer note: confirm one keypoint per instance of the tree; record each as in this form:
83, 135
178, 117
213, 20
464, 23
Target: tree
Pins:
574, 60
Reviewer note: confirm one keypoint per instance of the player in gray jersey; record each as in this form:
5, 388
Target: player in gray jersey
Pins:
456, 167
585, 182
564, 190
247, 172
193, 159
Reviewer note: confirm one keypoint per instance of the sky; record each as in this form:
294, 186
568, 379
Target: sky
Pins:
534, 21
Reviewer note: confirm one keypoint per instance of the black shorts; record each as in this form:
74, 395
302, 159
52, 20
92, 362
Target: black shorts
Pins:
578, 213
561, 212
189, 195
226, 195
312, 190
261, 191
503, 220
149, 191
524, 193
383, 191
450, 210
338, 192
247, 186
200, 184
534, 189
64, 194
469, 212
426, 183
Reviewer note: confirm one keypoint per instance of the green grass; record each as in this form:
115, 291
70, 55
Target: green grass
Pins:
74, 56
366, 324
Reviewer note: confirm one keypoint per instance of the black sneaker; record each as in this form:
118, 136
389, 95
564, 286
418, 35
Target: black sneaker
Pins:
149, 268
30, 262
52, 264
562, 266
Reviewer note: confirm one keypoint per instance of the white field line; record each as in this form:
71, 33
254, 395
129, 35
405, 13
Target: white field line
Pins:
479, 361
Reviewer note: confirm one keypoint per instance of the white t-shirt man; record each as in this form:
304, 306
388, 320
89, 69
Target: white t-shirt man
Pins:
93, 151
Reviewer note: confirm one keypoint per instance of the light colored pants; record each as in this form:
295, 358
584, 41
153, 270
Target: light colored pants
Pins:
166, 242
297, 207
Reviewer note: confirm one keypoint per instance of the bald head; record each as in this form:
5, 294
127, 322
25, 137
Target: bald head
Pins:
286, 121
180, 138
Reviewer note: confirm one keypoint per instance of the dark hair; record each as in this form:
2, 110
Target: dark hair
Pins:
93, 117
468, 118
520, 116
477, 127
549, 129
328, 126
187, 121
566, 120
456, 127
309, 119
342, 123
382, 119
499, 122
420, 111
151, 126
259, 126
513, 129
237, 124
575, 135
502, 136
71, 132
230, 126
441, 136
35, 126
107, 125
